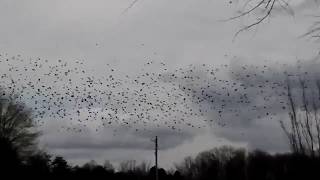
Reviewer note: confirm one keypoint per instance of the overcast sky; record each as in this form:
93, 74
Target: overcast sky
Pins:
176, 32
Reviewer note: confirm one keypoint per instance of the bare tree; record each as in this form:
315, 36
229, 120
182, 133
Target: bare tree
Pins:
17, 128
210, 163
143, 168
128, 166
303, 129
108, 166
187, 167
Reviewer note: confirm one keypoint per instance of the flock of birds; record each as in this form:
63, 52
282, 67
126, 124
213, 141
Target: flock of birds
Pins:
196, 96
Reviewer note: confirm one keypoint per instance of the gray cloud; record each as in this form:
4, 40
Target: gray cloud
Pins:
125, 139
245, 102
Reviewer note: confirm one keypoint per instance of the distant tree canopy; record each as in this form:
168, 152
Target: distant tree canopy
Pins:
227, 163
212, 163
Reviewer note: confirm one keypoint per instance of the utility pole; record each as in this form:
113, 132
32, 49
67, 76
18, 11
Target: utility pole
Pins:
156, 156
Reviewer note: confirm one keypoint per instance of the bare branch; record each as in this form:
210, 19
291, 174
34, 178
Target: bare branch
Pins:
247, 12
260, 20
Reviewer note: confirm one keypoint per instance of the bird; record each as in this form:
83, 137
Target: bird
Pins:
184, 97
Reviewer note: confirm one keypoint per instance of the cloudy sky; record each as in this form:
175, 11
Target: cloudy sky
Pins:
175, 32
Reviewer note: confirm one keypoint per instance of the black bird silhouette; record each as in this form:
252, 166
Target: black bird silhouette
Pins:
184, 97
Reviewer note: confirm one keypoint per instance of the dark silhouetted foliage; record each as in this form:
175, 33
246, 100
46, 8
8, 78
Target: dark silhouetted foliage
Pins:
17, 135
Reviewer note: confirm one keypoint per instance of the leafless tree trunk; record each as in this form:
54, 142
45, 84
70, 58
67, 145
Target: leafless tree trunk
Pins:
303, 130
